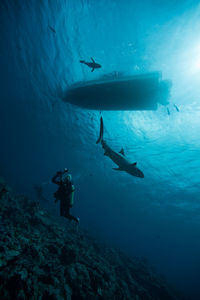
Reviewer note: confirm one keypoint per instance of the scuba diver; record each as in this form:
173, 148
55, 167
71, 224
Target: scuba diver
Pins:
65, 193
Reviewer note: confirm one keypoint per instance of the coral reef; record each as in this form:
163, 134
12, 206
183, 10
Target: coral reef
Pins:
40, 259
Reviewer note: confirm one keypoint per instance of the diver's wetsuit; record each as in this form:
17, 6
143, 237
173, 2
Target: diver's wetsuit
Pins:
63, 194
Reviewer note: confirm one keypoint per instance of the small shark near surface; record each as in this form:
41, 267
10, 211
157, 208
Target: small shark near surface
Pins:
52, 29
118, 158
93, 65
177, 109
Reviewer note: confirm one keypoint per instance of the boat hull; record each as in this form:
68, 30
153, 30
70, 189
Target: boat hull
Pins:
141, 92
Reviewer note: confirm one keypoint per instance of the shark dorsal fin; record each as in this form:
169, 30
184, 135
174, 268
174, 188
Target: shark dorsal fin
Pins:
92, 60
122, 151
134, 164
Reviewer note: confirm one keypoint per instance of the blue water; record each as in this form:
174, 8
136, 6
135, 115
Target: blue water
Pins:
157, 217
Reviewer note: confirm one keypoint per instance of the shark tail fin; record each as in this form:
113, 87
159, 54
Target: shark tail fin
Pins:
101, 132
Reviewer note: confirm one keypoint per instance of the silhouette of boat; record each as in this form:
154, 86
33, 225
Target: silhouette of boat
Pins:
118, 92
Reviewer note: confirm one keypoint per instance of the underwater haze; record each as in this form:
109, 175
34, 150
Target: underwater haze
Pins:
41, 44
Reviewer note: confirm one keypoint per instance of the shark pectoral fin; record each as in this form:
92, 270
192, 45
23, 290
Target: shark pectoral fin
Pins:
122, 151
134, 164
92, 60
117, 169
92, 70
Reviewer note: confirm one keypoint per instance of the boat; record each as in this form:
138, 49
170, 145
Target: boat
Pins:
119, 92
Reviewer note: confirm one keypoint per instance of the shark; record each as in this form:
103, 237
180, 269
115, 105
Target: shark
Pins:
52, 29
93, 65
118, 158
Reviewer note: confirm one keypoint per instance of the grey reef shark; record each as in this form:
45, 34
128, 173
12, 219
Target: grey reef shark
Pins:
93, 65
118, 158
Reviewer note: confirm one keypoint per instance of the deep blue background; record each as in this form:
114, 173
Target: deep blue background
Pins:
157, 217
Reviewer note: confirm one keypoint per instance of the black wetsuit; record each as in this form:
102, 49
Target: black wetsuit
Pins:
63, 194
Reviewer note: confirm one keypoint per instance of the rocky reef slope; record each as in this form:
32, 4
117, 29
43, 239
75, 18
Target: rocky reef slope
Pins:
40, 259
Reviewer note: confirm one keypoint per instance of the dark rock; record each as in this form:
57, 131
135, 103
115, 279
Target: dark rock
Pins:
68, 255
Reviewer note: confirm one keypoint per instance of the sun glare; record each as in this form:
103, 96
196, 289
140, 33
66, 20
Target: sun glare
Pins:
191, 60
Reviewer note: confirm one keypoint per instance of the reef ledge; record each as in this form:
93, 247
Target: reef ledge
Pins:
40, 259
